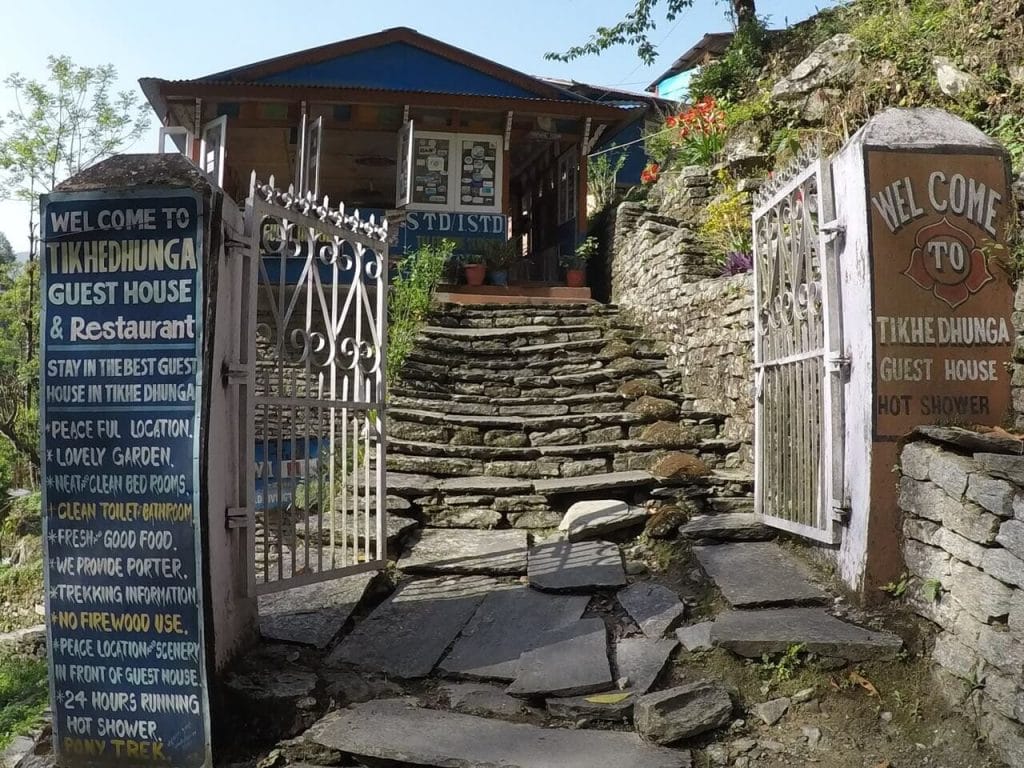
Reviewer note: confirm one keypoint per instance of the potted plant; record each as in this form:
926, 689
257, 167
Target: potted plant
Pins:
575, 264
473, 267
500, 256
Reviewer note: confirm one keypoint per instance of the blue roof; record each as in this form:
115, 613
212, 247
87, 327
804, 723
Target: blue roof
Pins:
398, 66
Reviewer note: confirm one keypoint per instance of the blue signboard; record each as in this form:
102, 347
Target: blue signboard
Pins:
281, 467
462, 227
120, 406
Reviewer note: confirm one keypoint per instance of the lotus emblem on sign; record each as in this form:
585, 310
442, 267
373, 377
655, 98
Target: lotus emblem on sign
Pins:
948, 263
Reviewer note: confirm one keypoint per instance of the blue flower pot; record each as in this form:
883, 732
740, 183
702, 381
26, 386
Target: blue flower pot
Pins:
499, 277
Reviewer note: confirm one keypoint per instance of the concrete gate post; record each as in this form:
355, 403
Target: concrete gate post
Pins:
926, 303
146, 585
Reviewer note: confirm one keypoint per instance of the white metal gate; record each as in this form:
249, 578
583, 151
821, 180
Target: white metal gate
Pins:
799, 479
316, 322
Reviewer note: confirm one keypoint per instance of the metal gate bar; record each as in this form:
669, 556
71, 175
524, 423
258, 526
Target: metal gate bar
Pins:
317, 326
798, 407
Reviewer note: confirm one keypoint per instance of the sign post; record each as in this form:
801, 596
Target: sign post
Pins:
120, 409
925, 202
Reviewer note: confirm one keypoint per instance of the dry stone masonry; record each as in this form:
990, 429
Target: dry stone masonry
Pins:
963, 545
664, 278
506, 415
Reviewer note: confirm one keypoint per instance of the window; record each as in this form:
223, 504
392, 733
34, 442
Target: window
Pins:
450, 171
568, 170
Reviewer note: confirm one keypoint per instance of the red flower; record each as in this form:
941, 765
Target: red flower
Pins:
670, 121
650, 174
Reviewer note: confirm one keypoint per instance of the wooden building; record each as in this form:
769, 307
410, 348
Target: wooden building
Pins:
398, 121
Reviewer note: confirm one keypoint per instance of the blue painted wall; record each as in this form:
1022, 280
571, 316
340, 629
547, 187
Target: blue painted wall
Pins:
636, 156
399, 66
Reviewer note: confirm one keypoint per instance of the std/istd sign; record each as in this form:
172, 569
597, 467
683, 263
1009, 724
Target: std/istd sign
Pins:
120, 406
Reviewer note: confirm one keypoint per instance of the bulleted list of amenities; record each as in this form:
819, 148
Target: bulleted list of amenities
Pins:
120, 401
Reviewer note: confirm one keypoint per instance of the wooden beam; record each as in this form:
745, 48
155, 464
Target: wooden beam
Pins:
269, 92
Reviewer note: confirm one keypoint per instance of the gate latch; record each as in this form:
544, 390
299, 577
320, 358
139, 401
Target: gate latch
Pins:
237, 517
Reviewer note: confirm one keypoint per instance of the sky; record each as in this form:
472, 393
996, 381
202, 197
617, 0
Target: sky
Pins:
188, 39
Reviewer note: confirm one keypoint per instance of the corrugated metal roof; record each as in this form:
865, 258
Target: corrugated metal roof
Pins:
367, 89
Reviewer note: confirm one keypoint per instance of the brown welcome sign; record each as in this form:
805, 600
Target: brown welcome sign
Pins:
943, 335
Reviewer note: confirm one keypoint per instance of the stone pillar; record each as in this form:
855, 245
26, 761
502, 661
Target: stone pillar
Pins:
146, 584
926, 303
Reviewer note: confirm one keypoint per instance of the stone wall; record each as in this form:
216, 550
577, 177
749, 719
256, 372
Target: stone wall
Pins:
963, 529
663, 277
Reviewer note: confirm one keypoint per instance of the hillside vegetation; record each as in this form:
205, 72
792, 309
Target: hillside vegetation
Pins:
895, 54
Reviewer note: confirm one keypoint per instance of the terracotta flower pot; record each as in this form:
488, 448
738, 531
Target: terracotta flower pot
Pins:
576, 278
475, 273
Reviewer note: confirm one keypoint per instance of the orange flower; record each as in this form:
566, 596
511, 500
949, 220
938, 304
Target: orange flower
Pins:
670, 121
650, 174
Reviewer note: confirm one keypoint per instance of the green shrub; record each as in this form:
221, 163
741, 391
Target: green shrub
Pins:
409, 298
731, 77
727, 228
23, 696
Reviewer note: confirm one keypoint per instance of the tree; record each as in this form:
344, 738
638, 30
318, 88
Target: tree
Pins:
7, 255
635, 27
60, 126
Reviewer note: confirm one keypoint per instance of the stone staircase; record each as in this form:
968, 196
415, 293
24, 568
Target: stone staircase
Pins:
504, 414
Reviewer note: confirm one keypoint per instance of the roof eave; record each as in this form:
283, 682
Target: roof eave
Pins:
159, 92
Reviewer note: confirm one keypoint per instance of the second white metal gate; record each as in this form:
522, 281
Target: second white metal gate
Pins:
799, 483
316, 321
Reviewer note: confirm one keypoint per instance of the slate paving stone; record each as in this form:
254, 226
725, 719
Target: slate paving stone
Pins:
678, 713
641, 660
483, 699
589, 519
727, 526
970, 440
392, 729
508, 623
407, 634
696, 637
753, 633
655, 608
558, 485
568, 661
596, 707
759, 575
314, 614
352, 527
580, 566
466, 551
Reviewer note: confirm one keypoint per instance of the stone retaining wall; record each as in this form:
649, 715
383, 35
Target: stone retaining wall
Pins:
662, 276
963, 532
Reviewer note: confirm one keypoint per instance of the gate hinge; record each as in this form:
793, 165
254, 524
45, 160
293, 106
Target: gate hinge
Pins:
237, 517
233, 372
832, 229
838, 364
840, 511
232, 246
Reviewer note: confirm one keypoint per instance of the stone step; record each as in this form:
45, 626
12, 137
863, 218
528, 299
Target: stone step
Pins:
755, 633
759, 575
486, 453
392, 729
609, 481
502, 362
617, 371
727, 526
403, 392
517, 423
